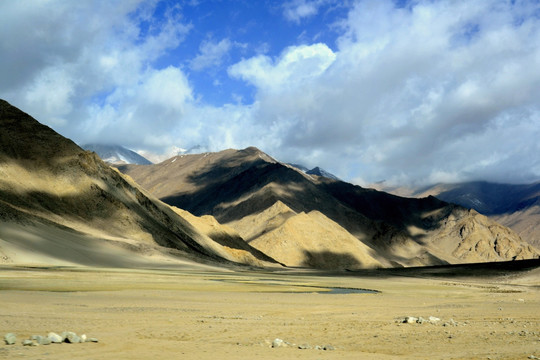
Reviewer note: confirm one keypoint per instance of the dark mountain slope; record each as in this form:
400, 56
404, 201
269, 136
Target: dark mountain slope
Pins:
489, 198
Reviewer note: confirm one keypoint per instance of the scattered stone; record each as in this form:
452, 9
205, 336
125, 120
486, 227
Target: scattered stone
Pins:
55, 338
72, 338
410, 320
41, 340
419, 320
67, 337
278, 343
10, 339
281, 343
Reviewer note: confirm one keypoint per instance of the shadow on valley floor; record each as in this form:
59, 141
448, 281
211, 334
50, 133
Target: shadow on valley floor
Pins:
330, 260
489, 269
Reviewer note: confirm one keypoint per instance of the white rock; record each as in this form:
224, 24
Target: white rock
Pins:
10, 339
278, 343
55, 338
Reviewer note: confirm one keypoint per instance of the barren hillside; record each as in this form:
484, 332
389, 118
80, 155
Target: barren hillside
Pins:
61, 204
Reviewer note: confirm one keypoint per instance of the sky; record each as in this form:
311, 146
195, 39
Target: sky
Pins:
406, 92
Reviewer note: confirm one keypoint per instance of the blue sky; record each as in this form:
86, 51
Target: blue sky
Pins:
409, 92
223, 33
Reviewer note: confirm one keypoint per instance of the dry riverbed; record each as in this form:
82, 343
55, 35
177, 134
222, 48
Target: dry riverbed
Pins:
208, 314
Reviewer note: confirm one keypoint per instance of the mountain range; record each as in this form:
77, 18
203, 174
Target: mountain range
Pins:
60, 204
286, 212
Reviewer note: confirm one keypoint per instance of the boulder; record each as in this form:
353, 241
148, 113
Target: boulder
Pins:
70, 337
55, 338
278, 343
40, 340
10, 338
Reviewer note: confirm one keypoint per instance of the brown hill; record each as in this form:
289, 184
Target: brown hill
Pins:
234, 184
61, 204
304, 240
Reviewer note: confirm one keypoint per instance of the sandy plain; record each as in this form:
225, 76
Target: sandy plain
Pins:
209, 313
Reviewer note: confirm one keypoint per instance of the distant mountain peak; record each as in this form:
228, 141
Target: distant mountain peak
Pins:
321, 172
116, 154
315, 171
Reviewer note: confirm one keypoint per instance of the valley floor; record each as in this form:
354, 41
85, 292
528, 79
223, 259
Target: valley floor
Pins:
207, 314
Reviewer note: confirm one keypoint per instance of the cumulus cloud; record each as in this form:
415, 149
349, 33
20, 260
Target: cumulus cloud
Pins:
82, 54
293, 68
424, 92
413, 93
142, 114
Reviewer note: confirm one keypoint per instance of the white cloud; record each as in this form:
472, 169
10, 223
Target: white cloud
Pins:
143, 114
295, 66
54, 104
211, 54
412, 93
430, 91
296, 10
85, 67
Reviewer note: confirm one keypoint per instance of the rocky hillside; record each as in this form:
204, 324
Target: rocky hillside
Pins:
61, 204
514, 206
239, 186
304, 240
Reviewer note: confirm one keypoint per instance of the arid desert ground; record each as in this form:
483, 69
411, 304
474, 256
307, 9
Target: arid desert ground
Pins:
199, 312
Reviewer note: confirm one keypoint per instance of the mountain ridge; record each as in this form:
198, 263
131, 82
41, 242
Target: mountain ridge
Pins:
233, 184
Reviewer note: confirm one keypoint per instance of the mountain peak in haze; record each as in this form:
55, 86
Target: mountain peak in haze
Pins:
315, 171
116, 154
